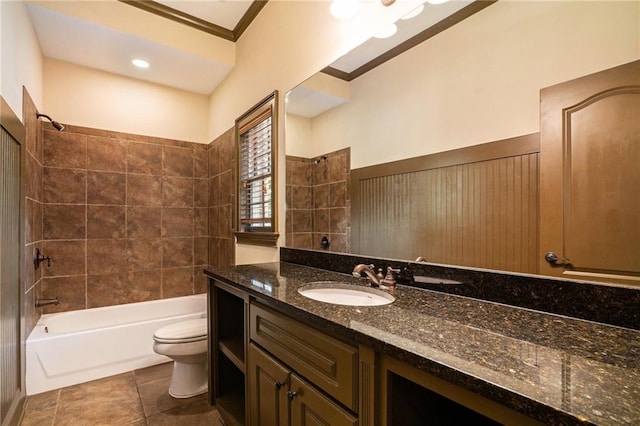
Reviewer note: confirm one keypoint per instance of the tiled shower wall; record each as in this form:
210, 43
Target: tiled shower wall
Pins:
318, 201
32, 278
125, 217
222, 165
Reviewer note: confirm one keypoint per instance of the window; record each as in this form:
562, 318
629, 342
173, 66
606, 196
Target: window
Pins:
257, 145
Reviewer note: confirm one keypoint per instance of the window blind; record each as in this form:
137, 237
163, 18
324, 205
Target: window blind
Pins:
255, 175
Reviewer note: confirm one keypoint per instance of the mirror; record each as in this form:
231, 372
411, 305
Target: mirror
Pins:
478, 82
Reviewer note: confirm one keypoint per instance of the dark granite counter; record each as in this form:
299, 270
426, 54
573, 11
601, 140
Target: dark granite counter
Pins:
557, 369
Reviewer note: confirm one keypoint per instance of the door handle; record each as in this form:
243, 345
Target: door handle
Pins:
552, 259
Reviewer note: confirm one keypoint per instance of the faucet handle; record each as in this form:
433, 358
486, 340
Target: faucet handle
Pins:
390, 279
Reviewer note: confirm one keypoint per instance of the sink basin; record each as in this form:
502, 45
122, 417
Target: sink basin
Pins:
341, 293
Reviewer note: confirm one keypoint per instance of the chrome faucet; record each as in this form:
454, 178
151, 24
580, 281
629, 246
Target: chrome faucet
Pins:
40, 303
368, 271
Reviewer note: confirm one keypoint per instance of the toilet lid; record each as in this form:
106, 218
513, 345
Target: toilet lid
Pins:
182, 332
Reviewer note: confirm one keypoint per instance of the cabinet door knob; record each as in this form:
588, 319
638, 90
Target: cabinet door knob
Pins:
552, 259
291, 395
279, 385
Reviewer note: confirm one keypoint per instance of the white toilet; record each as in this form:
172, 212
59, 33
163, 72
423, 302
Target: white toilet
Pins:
186, 343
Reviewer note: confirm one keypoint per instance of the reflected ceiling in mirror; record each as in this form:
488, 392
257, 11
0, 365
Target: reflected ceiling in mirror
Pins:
411, 30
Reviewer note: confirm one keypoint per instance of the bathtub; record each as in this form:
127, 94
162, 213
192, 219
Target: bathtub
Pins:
73, 347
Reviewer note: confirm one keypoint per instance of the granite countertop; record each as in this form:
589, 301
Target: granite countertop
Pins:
556, 369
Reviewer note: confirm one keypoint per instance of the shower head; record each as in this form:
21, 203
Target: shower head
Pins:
58, 126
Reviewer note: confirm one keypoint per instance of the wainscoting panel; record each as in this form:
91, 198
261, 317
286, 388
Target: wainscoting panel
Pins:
10, 246
470, 209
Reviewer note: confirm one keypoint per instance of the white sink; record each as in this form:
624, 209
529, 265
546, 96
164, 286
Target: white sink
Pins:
347, 294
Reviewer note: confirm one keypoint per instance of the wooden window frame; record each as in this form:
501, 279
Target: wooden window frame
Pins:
268, 107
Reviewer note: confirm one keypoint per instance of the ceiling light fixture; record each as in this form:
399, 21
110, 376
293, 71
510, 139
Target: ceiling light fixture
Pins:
387, 31
140, 63
415, 12
344, 9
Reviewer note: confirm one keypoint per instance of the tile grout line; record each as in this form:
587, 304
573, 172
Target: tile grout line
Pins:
55, 410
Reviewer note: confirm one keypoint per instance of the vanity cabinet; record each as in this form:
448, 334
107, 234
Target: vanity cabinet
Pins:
409, 396
269, 368
227, 350
285, 357
279, 397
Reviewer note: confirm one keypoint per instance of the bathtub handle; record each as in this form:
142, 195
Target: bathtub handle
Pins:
39, 257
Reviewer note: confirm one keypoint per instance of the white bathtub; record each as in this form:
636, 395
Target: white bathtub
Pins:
78, 346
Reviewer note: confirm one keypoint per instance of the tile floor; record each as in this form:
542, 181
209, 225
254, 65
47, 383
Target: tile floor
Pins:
137, 398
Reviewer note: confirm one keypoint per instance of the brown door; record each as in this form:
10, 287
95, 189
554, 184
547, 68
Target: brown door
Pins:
310, 407
590, 177
268, 386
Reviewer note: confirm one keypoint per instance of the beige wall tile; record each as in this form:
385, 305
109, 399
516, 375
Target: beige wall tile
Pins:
64, 186
106, 256
63, 222
177, 252
106, 154
144, 158
177, 191
177, 161
106, 222
65, 149
106, 188
144, 254
70, 291
144, 190
67, 257
144, 222
177, 282
177, 222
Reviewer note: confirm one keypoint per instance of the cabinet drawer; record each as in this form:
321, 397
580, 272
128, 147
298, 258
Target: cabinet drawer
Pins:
326, 362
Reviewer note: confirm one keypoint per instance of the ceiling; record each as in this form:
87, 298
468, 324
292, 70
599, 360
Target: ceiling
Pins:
63, 35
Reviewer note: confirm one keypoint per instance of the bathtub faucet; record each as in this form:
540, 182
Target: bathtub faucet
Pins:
45, 302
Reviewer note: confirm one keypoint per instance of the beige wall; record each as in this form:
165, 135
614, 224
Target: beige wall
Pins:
478, 81
20, 57
298, 136
97, 99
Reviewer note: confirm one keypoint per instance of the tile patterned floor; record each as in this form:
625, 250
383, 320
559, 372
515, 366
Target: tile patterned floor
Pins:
136, 398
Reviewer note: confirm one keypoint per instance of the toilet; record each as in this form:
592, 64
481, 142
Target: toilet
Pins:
186, 343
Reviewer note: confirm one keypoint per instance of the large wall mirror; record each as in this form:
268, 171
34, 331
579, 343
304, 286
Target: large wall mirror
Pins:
435, 153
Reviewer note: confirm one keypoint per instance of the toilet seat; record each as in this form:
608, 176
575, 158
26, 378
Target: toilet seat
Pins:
182, 332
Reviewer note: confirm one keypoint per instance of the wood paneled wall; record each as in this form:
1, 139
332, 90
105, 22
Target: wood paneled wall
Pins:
474, 206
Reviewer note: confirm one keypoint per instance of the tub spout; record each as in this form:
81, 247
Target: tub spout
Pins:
45, 302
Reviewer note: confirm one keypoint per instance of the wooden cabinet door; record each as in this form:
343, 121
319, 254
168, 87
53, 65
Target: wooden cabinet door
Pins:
590, 177
310, 407
268, 385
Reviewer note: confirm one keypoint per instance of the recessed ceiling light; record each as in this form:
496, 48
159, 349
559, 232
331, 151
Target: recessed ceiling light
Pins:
415, 12
140, 63
387, 31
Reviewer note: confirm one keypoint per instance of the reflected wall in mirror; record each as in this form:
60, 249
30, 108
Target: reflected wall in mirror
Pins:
462, 109
318, 202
